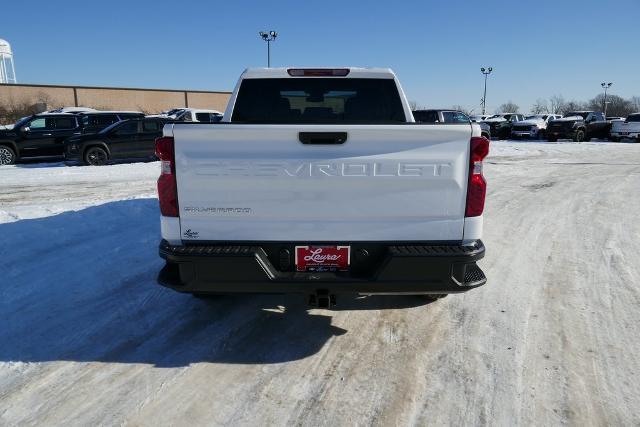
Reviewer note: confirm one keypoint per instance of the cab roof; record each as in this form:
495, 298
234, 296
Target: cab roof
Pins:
283, 72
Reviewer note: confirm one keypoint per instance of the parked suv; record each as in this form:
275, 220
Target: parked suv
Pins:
448, 116
40, 135
500, 124
127, 139
93, 122
534, 126
579, 126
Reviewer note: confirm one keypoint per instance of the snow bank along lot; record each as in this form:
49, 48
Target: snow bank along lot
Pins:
88, 338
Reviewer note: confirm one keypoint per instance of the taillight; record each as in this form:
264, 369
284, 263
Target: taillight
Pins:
477, 188
318, 72
167, 187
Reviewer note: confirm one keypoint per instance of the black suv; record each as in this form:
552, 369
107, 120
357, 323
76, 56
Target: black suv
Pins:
579, 126
500, 125
127, 139
95, 121
42, 135
37, 136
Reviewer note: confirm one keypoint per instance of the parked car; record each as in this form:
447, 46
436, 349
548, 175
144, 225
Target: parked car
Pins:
534, 126
39, 135
579, 126
479, 117
93, 122
128, 139
629, 128
382, 205
440, 116
500, 124
448, 116
196, 115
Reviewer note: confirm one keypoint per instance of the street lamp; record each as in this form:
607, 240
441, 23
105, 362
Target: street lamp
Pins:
486, 72
268, 37
605, 86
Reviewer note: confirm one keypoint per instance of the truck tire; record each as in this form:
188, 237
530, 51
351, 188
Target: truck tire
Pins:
95, 156
542, 134
552, 138
578, 136
614, 139
7, 155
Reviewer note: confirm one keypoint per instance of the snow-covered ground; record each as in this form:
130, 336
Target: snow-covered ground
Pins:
87, 337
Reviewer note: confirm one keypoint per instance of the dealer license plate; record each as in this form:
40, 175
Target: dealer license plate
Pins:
323, 258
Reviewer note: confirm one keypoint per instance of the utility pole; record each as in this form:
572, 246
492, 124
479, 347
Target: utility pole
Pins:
486, 72
605, 86
268, 37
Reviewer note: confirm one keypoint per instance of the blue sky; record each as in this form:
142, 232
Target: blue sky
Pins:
537, 49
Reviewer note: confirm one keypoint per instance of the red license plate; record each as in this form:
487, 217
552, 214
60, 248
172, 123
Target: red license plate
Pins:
323, 258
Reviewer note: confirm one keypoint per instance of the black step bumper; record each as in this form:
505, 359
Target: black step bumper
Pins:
260, 267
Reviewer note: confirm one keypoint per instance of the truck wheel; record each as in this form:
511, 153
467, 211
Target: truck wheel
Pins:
7, 156
542, 134
95, 156
614, 139
552, 138
579, 136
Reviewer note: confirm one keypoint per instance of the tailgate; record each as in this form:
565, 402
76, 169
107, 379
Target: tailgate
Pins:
260, 183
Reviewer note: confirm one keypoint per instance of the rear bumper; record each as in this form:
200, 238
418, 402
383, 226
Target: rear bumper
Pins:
629, 134
388, 268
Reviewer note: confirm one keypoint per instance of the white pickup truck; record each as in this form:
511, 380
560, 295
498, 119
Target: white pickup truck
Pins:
628, 128
318, 181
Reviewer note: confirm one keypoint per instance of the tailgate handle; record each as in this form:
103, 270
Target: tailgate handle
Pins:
322, 138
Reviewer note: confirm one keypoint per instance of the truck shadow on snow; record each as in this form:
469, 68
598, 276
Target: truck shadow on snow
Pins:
80, 286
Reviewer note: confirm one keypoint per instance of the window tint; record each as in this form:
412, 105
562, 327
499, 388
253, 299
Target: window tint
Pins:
318, 100
99, 120
63, 123
128, 128
455, 117
150, 126
634, 118
207, 117
425, 116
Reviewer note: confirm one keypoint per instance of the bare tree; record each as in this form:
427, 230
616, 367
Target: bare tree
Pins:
541, 106
572, 106
617, 106
414, 105
556, 104
635, 103
508, 107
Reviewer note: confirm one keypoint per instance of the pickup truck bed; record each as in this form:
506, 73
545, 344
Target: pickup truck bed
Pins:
335, 195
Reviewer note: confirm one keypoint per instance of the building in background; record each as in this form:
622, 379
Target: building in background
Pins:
7, 68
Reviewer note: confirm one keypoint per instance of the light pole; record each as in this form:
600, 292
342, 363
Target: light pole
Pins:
268, 37
486, 72
605, 86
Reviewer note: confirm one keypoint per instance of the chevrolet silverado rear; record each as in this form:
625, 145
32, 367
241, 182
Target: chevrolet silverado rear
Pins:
318, 181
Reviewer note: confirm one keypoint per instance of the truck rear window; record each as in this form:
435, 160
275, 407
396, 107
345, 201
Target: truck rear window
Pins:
318, 100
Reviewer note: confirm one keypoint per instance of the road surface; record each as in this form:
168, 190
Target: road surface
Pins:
88, 338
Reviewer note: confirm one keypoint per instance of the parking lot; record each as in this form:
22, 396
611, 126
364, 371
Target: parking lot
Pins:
550, 339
